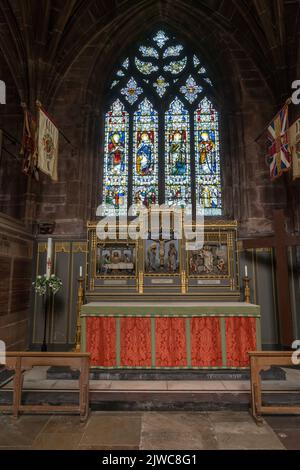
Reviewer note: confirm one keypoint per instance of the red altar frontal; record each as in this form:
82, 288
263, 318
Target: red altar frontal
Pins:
181, 335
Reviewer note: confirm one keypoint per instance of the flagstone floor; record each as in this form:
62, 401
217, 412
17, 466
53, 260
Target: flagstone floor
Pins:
147, 431
151, 430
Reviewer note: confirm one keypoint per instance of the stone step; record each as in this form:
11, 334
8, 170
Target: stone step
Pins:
65, 373
162, 400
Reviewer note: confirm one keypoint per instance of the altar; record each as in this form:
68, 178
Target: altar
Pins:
158, 302
170, 335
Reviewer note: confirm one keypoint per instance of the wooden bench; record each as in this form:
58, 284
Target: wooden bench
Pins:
263, 360
20, 362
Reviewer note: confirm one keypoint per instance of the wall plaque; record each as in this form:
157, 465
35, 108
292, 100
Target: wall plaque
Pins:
115, 282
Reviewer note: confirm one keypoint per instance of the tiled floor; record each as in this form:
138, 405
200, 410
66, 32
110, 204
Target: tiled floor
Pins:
138, 430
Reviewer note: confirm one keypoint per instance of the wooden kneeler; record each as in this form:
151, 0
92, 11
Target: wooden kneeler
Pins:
263, 360
20, 362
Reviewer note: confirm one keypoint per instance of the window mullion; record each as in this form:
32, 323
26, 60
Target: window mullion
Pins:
130, 159
161, 157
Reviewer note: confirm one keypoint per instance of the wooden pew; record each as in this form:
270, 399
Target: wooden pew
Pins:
263, 360
20, 362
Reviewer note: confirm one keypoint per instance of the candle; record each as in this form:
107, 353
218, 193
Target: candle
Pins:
246, 271
80, 271
49, 258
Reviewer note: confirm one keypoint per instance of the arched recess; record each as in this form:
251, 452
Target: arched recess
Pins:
163, 74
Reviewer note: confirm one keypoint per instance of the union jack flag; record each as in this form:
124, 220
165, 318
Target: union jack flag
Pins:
279, 156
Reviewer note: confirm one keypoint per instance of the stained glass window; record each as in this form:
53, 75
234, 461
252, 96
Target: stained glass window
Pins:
145, 155
114, 83
173, 51
176, 67
159, 86
116, 160
196, 61
208, 80
160, 38
177, 152
191, 90
207, 153
148, 52
131, 91
145, 67
126, 63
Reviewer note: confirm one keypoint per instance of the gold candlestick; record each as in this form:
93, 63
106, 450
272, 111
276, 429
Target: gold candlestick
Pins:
183, 282
247, 291
141, 283
80, 296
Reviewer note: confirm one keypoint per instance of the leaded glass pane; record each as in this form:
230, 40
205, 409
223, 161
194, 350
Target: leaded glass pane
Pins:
145, 68
126, 63
145, 155
131, 91
191, 90
161, 85
177, 154
196, 61
173, 51
160, 38
116, 160
208, 80
149, 52
207, 151
176, 67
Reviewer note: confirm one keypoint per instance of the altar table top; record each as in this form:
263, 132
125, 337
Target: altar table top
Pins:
178, 308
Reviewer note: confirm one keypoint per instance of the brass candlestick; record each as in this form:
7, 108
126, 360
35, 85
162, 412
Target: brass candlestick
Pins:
141, 283
247, 291
80, 296
183, 282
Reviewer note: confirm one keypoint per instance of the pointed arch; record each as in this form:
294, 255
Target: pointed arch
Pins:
163, 151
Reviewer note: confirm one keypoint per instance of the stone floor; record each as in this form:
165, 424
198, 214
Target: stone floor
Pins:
147, 431
151, 430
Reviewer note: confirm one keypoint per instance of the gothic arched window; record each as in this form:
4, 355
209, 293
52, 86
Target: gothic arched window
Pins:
162, 141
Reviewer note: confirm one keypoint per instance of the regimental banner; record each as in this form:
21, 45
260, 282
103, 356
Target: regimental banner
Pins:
47, 145
294, 138
279, 156
28, 147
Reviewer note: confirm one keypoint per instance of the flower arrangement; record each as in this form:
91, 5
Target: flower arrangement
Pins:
41, 284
